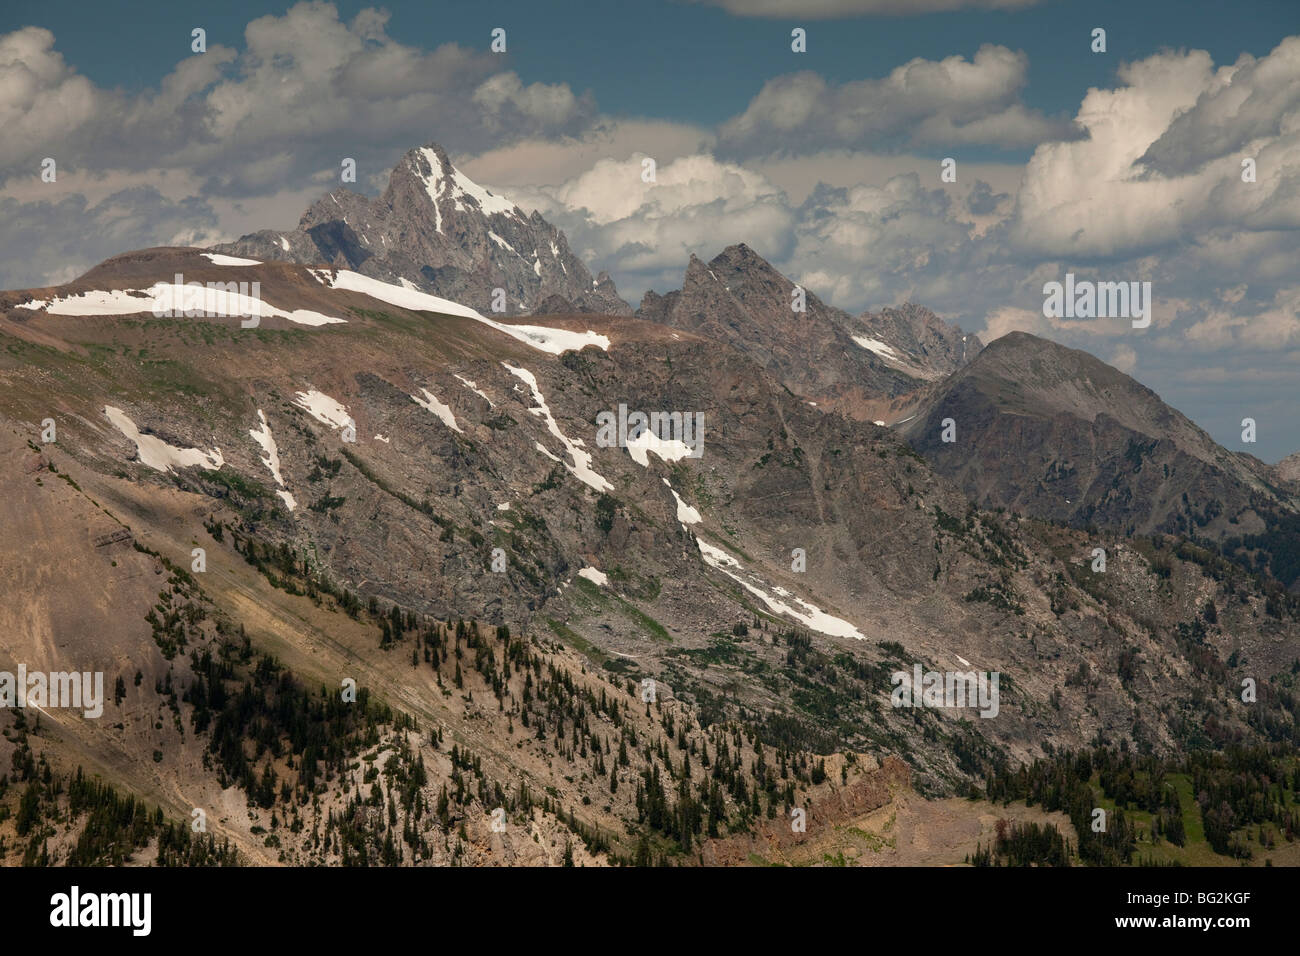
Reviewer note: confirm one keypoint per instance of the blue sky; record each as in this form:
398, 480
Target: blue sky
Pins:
825, 162
689, 61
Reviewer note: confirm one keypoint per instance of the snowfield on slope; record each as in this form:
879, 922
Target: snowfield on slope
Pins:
581, 467
272, 460
807, 614
156, 453
323, 408
442, 411
877, 346
168, 297
552, 341
892, 356
595, 576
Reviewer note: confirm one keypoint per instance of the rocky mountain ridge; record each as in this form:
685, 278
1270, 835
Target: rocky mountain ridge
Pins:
1056, 433
824, 355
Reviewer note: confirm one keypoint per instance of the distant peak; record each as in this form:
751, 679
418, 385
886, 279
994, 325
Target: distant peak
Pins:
1017, 345
443, 181
1017, 337
740, 253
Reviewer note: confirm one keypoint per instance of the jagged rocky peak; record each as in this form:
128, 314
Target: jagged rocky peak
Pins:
834, 360
745, 274
437, 229
934, 346
427, 175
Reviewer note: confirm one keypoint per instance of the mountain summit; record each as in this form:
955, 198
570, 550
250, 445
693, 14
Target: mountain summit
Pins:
868, 367
438, 230
1057, 433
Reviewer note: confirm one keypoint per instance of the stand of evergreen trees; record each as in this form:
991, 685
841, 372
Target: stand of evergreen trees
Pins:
113, 828
1233, 790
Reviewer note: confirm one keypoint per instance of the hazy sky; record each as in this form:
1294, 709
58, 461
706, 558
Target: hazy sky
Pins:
1116, 166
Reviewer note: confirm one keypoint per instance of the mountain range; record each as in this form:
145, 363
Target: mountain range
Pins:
636, 653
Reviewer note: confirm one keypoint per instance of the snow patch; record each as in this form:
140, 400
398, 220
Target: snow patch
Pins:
595, 577
581, 467
442, 411
156, 453
473, 387
434, 184
169, 296
98, 302
463, 186
323, 408
450, 181
891, 355
685, 513
670, 451
220, 260
807, 614
877, 346
272, 459
502, 243
384, 439
552, 341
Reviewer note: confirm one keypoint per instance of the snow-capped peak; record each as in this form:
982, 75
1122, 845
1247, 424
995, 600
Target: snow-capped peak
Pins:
445, 180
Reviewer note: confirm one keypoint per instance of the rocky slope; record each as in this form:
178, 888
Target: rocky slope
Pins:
1056, 433
1288, 469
